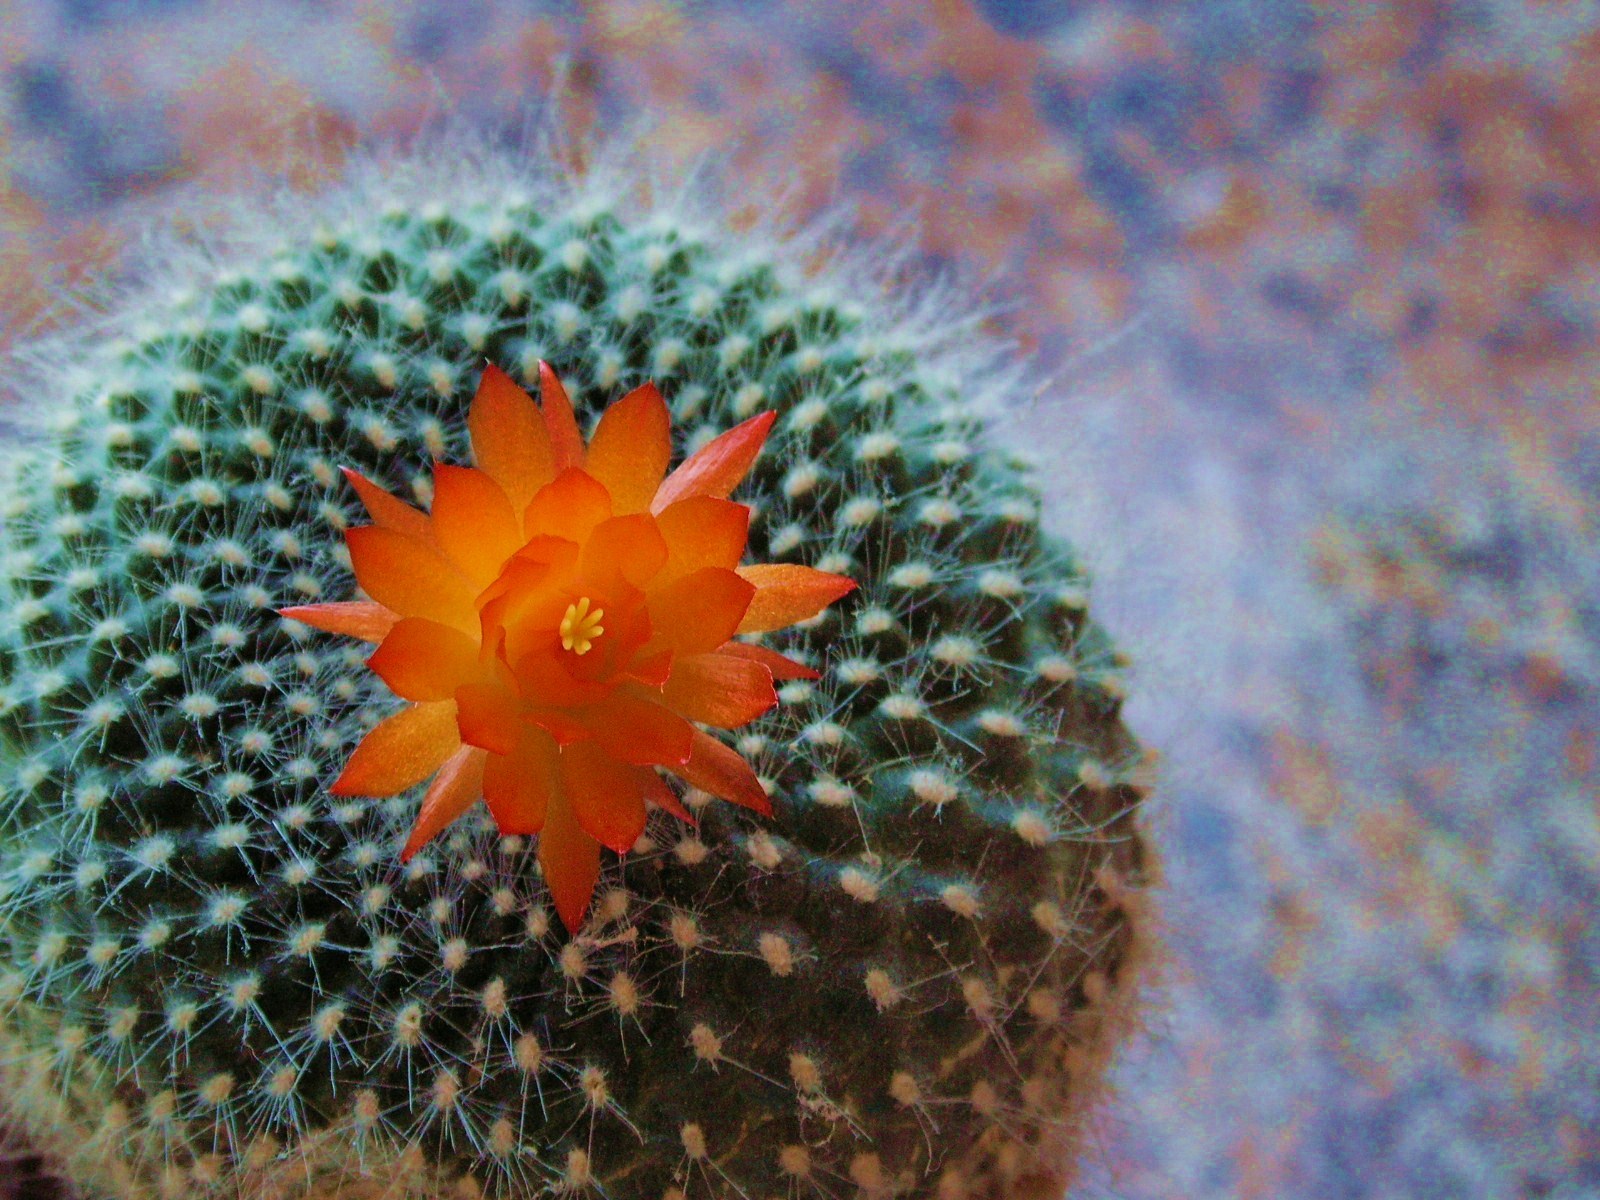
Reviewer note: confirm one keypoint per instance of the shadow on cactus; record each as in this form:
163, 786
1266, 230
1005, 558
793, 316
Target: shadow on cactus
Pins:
254, 952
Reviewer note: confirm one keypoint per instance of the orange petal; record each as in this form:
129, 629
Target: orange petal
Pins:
400, 751
703, 531
354, 618
718, 769
411, 577
454, 790
652, 670
473, 521
509, 437
566, 440
570, 859
781, 667
559, 724
517, 786
658, 792
557, 554
424, 660
607, 796
568, 507
631, 447
543, 677
629, 548
786, 593
545, 564
488, 716
724, 690
696, 614
719, 466
386, 510
634, 729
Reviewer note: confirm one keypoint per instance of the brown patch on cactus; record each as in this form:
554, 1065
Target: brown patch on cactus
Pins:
1117, 981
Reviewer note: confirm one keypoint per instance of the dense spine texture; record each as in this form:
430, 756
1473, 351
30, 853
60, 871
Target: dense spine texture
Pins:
221, 981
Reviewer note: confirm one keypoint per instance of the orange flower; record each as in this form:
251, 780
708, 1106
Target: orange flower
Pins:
563, 619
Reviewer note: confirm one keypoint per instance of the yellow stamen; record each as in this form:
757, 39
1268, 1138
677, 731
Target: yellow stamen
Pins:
580, 627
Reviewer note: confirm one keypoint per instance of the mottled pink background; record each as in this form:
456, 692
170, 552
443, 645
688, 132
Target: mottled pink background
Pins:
1321, 285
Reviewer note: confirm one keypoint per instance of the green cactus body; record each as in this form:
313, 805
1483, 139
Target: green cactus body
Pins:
220, 977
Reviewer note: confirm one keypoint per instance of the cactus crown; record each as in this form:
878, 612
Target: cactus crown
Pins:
219, 975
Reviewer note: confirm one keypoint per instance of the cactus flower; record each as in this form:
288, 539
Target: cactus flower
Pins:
563, 621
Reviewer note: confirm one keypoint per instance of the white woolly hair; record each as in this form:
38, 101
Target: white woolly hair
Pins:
198, 238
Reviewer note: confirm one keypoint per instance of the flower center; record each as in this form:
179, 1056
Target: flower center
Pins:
580, 627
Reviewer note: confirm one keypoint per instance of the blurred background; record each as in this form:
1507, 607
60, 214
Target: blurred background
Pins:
1318, 286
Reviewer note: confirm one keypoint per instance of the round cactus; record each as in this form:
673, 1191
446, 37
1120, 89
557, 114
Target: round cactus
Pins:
221, 975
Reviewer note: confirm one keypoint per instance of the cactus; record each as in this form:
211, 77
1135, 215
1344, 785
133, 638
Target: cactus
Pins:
220, 976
